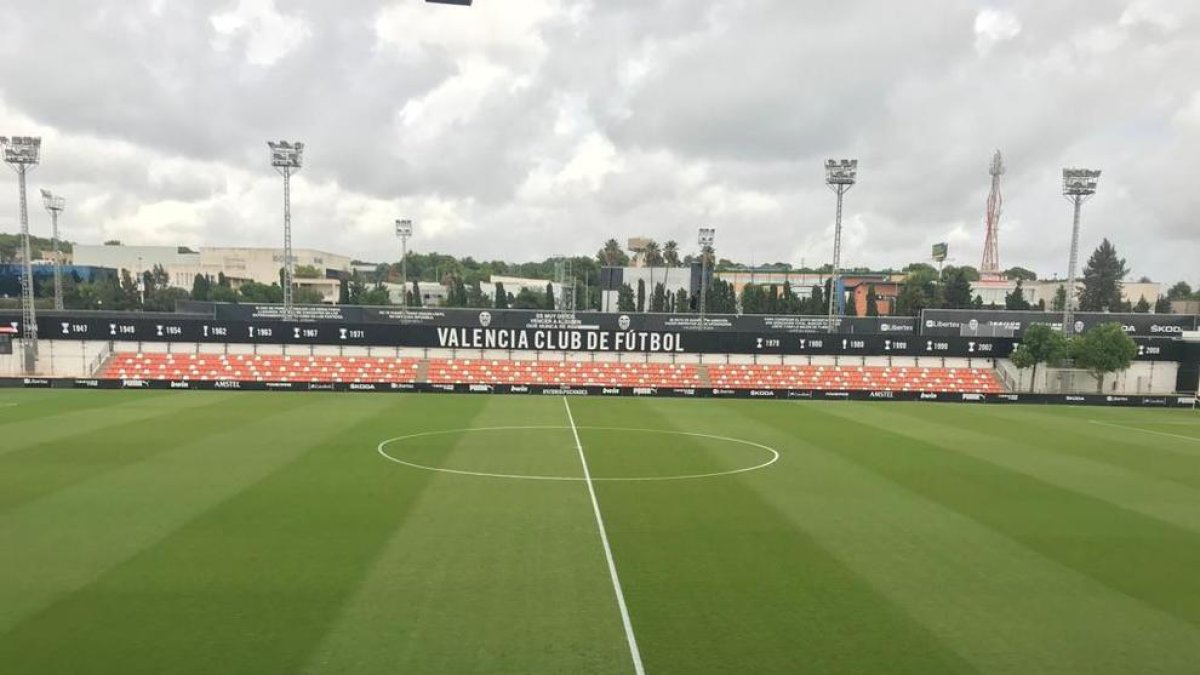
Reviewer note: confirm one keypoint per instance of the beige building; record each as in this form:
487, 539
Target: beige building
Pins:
238, 264
995, 291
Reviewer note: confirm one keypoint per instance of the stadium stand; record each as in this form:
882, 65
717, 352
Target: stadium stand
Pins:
279, 368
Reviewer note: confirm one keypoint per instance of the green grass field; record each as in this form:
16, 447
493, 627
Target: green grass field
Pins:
214, 532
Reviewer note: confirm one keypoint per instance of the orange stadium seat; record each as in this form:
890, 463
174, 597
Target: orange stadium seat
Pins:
279, 368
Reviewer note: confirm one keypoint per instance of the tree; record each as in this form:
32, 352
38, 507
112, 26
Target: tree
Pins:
658, 299
1039, 344
1163, 306
1102, 279
872, 303
1102, 350
625, 300
549, 295
670, 253
816, 301
527, 298
956, 288
501, 296
306, 272
1142, 306
1020, 274
376, 295
911, 300
303, 295
1060, 299
253, 291
641, 295
414, 298
977, 303
223, 293
851, 307
1016, 300
1180, 291
754, 299
971, 273
201, 287
611, 255
475, 297
683, 303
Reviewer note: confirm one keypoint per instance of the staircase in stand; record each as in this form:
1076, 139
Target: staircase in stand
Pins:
703, 375
422, 371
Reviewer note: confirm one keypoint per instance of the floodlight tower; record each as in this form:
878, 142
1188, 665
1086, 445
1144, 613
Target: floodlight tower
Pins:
404, 230
707, 236
1078, 186
990, 269
23, 153
286, 158
840, 176
55, 205
566, 284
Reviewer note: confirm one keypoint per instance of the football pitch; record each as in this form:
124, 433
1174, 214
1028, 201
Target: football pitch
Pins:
232, 532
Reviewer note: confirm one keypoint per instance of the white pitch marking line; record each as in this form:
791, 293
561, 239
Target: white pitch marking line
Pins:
1148, 431
612, 566
774, 455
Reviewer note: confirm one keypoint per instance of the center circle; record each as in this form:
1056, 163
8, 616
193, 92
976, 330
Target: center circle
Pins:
767, 455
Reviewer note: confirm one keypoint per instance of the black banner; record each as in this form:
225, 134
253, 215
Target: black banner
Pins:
989, 322
551, 320
191, 329
554, 390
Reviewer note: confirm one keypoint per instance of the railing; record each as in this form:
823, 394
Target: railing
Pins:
1004, 369
97, 362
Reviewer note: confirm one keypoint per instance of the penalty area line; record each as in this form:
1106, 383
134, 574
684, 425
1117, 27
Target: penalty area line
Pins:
608, 556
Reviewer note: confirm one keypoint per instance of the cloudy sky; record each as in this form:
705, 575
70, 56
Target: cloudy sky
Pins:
519, 129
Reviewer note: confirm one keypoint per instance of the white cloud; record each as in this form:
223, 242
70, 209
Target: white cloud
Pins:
267, 34
522, 128
993, 26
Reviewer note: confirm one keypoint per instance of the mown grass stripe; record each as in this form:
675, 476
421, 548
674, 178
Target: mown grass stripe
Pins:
40, 404
1038, 456
129, 406
1143, 557
249, 585
37, 470
486, 575
719, 581
1002, 606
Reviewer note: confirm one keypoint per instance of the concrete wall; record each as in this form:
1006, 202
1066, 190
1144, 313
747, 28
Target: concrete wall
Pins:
1143, 377
56, 358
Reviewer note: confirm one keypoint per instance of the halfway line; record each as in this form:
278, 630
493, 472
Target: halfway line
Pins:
608, 556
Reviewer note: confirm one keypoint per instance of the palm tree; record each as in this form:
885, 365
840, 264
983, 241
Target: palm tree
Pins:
652, 257
612, 255
670, 256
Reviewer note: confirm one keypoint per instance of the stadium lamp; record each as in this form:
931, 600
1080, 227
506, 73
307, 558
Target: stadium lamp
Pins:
55, 205
706, 237
22, 153
1078, 186
404, 230
286, 158
840, 176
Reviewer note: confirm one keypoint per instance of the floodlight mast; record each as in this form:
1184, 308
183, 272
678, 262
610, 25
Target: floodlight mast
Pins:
840, 176
707, 236
1078, 186
23, 153
404, 230
55, 205
287, 158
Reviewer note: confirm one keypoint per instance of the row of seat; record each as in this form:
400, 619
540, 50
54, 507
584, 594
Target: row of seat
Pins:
278, 368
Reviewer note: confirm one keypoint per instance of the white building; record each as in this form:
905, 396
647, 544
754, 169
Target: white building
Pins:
238, 264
